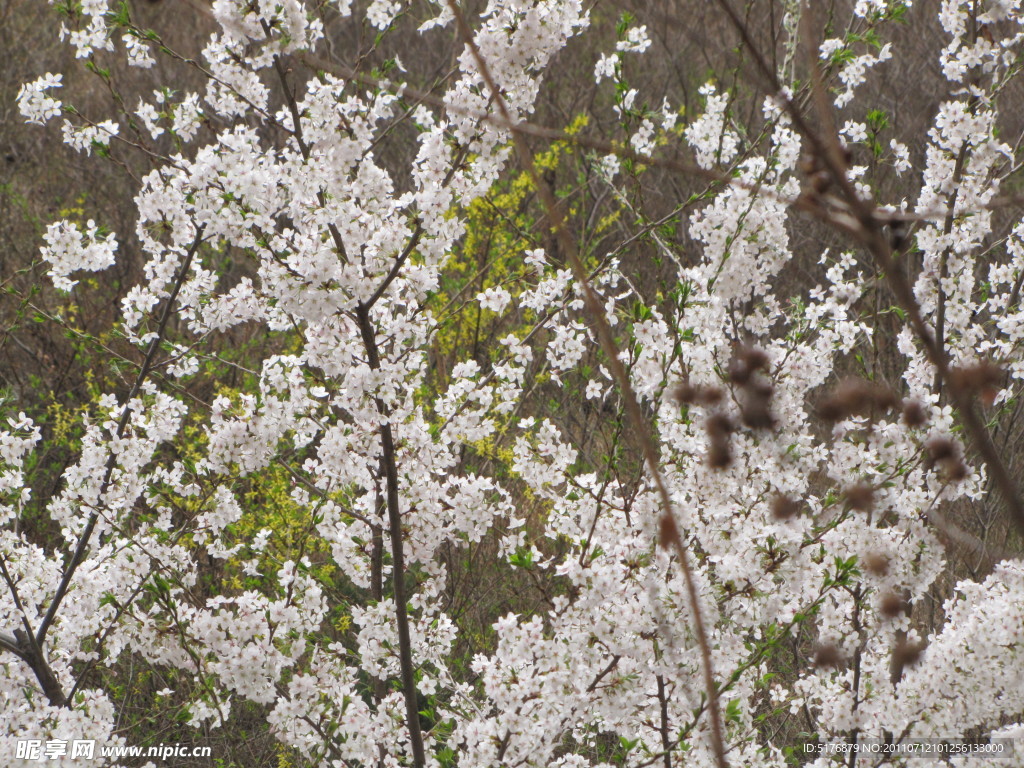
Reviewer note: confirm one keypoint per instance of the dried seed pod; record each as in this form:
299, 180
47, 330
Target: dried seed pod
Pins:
687, 393
829, 410
984, 379
860, 496
719, 455
906, 654
892, 605
718, 427
914, 414
709, 396
956, 471
784, 508
876, 563
898, 231
745, 361
827, 656
739, 371
945, 454
940, 449
755, 358
855, 396
718, 424
756, 409
668, 532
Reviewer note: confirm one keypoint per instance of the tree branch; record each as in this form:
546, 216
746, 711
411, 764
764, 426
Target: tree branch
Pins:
31, 645
393, 502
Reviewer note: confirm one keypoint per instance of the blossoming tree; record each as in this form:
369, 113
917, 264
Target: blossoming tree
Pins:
752, 562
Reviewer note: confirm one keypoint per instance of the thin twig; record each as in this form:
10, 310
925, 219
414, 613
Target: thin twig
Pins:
83, 541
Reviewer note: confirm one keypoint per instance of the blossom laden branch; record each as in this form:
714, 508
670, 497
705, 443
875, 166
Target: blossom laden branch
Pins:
671, 535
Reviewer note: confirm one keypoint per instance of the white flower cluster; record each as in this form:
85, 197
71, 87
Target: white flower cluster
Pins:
138, 52
84, 137
712, 140
853, 72
495, 299
69, 249
35, 104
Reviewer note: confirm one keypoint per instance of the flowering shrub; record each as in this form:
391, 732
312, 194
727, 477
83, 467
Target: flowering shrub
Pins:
748, 546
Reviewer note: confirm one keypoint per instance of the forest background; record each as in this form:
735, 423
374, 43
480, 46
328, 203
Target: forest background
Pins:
822, 582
